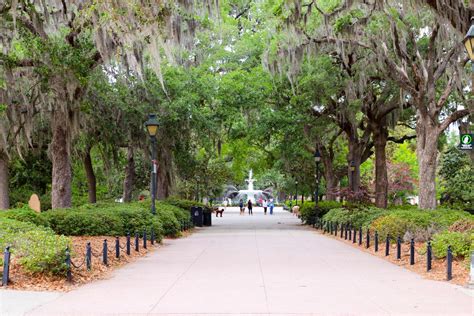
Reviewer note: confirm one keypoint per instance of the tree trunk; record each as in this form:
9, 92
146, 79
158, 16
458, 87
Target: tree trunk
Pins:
354, 163
91, 179
427, 154
164, 175
330, 177
129, 180
381, 177
4, 198
61, 160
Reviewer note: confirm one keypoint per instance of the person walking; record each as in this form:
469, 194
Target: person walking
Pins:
265, 205
272, 205
242, 208
249, 205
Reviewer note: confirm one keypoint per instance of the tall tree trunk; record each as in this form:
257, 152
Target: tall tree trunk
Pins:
331, 180
427, 154
91, 179
4, 198
354, 162
164, 173
380, 135
129, 180
61, 160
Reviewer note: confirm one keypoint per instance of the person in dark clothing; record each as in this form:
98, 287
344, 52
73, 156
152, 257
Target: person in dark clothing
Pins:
242, 208
249, 205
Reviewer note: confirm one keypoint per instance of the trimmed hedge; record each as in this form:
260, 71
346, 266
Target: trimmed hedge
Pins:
108, 219
411, 222
460, 243
24, 214
38, 249
187, 204
309, 213
73, 222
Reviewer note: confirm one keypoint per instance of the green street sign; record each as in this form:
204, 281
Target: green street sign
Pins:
466, 142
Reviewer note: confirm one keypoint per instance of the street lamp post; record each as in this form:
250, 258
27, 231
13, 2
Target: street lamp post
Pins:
152, 128
296, 193
317, 160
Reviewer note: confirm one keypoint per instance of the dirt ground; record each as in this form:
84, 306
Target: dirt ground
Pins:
22, 280
460, 270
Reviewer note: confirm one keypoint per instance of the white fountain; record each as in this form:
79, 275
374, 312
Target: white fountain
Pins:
249, 194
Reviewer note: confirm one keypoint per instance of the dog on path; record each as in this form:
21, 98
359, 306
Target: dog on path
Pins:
218, 211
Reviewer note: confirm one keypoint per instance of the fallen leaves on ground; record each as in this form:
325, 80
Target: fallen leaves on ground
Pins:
23, 280
460, 272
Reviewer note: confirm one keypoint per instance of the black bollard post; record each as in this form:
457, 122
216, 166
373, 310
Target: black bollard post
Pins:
128, 244
331, 228
68, 265
449, 264
152, 236
412, 251
144, 239
376, 241
350, 232
354, 236
137, 246
6, 266
399, 247
387, 245
88, 256
117, 247
360, 235
342, 230
428, 256
104, 253
367, 239
345, 231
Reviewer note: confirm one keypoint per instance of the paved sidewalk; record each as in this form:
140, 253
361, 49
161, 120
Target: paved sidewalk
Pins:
261, 265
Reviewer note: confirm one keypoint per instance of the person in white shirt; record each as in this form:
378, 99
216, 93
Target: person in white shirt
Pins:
265, 205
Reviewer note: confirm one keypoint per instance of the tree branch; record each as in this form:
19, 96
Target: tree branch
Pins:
401, 140
453, 118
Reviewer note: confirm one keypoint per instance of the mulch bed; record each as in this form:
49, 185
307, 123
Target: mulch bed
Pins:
460, 271
23, 280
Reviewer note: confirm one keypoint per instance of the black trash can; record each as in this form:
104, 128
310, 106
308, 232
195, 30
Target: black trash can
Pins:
207, 218
196, 214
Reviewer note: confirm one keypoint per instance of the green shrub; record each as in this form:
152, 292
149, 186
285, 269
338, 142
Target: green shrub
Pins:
309, 212
360, 216
392, 225
108, 219
463, 226
38, 249
24, 214
182, 215
460, 244
72, 222
171, 226
187, 204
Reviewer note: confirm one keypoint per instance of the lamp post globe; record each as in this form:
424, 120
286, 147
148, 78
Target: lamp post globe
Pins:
152, 128
469, 42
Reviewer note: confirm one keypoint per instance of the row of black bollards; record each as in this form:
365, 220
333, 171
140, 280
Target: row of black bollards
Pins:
349, 232
6, 266
185, 225
105, 251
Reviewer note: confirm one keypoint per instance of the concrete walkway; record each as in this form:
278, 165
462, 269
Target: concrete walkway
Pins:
260, 265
